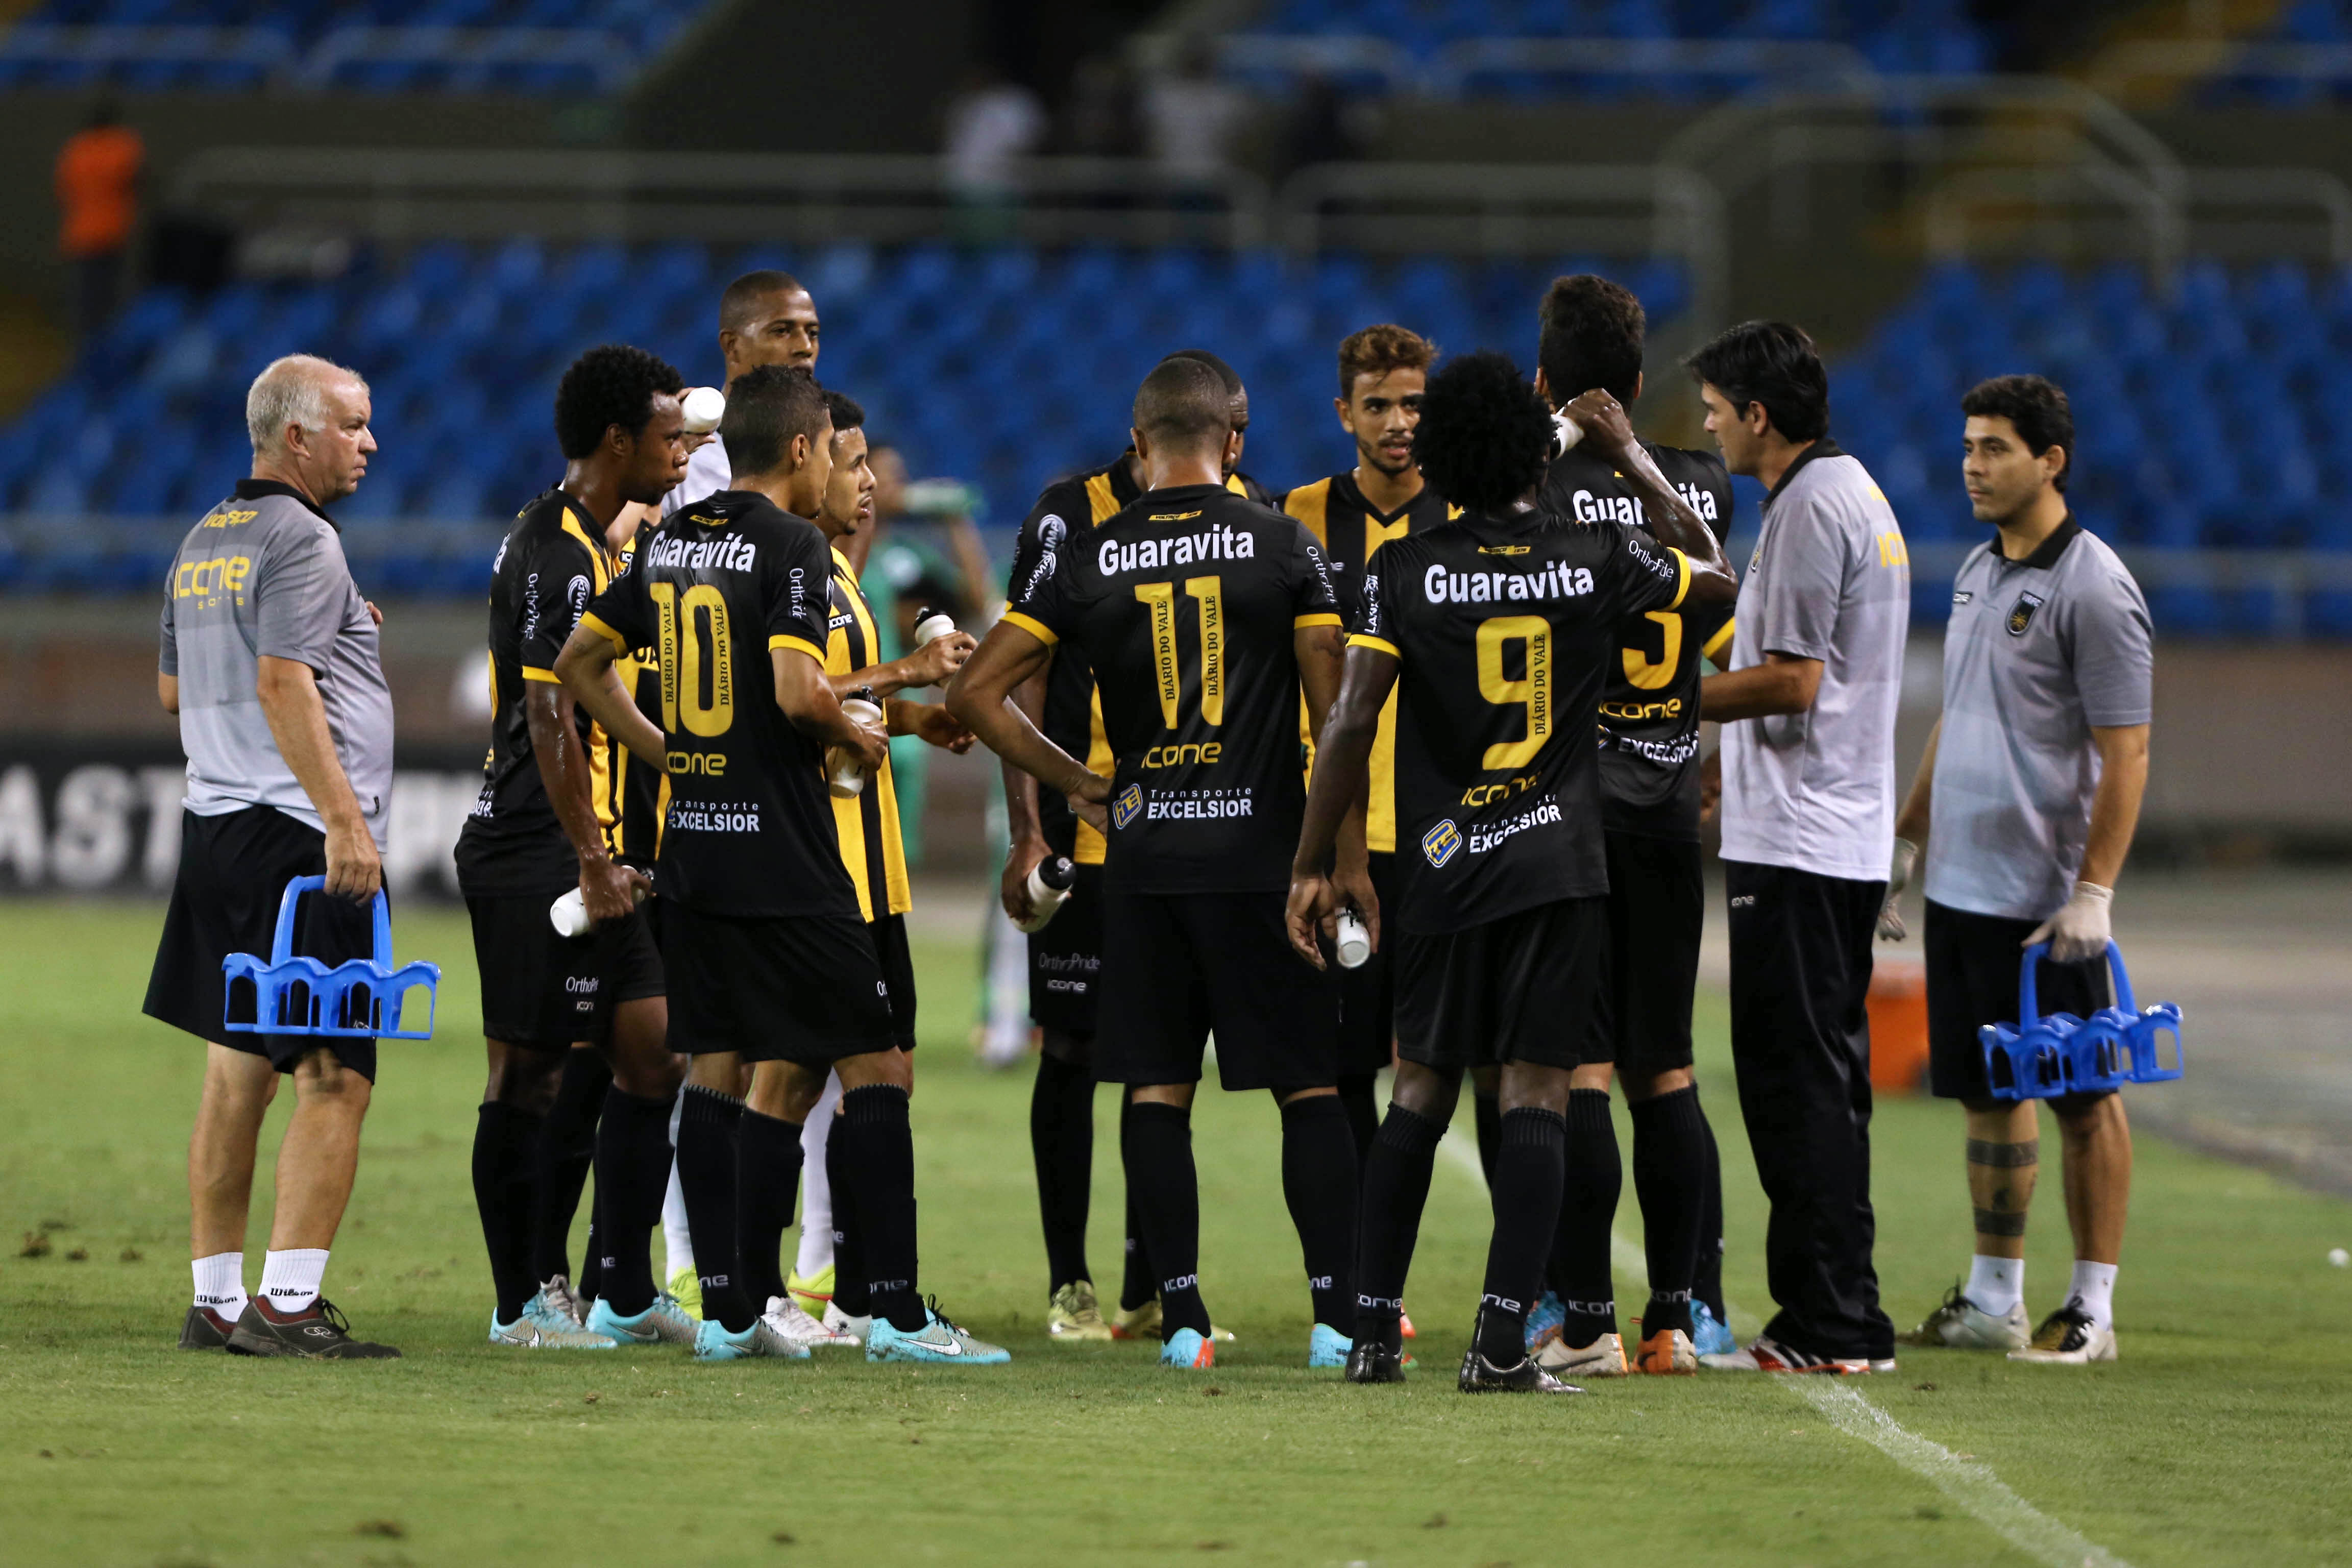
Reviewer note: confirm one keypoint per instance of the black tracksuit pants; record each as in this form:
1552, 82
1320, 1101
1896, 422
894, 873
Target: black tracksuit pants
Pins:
1800, 1045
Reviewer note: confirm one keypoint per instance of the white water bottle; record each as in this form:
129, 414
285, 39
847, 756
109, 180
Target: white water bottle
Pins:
1049, 885
845, 774
1353, 941
930, 626
1566, 433
569, 914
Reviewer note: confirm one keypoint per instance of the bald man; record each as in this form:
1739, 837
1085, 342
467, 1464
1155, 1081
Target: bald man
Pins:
764, 318
270, 662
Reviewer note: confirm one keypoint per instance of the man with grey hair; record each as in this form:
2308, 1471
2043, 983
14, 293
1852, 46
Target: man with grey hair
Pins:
270, 660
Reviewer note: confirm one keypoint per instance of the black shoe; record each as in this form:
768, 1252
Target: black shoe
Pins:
206, 1330
1373, 1362
318, 1332
1480, 1375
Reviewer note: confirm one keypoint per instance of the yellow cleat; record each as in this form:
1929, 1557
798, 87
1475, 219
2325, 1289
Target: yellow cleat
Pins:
1074, 1315
814, 1292
1143, 1323
687, 1286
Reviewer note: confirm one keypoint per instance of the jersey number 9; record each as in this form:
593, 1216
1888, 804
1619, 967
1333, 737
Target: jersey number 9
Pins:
683, 622
1532, 691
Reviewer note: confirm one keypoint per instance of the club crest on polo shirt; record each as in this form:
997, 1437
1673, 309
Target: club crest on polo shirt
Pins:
1128, 806
2021, 614
1439, 844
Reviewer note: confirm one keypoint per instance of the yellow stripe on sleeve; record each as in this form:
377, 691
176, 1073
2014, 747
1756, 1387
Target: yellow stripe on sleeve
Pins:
1682, 578
782, 639
1033, 627
1718, 642
1322, 618
590, 622
1378, 645
546, 675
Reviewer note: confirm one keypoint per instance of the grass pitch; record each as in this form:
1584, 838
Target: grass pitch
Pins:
2220, 1437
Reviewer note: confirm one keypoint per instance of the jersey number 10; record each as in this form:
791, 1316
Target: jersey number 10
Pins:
1160, 600
684, 617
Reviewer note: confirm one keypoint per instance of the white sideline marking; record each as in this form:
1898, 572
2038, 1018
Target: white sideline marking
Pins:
1974, 1487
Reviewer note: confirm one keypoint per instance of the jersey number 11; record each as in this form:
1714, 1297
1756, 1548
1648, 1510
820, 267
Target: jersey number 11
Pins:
1160, 600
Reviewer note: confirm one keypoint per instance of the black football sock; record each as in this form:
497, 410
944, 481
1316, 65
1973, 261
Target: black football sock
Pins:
1396, 1185
1167, 1191
849, 1291
1669, 1174
1531, 1157
1486, 1113
1319, 1184
590, 1283
767, 1178
1138, 1284
567, 1147
706, 1176
1706, 1279
633, 1156
505, 1162
1578, 1271
1363, 1114
880, 1161
1062, 1143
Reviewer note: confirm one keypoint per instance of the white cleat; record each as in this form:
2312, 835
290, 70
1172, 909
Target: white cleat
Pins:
854, 1328
1604, 1357
2068, 1337
790, 1318
1960, 1325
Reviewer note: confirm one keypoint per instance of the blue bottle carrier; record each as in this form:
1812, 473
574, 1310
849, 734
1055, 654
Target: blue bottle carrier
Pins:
290, 994
2039, 1057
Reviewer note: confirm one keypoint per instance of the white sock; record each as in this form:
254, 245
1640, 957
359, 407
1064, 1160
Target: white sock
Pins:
1996, 1284
290, 1280
678, 1241
220, 1283
816, 1190
2095, 1288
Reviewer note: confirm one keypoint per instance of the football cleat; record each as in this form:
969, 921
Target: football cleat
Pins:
686, 1288
1958, 1324
837, 1321
1708, 1334
1074, 1315
205, 1329
1480, 1375
558, 1296
2068, 1337
1404, 1325
1373, 1362
1545, 1319
317, 1332
1765, 1354
938, 1343
528, 1333
811, 1291
713, 1342
784, 1316
1190, 1350
1327, 1346
1666, 1353
665, 1322
1136, 1324
1604, 1357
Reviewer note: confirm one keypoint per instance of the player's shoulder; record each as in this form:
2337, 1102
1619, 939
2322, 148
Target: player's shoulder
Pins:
1246, 485
1309, 499
1690, 465
547, 525
1063, 499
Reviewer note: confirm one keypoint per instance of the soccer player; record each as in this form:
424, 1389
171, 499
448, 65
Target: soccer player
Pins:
548, 811
1592, 337
1382, 372
1495, 632
2033, 780
1202, 614
1807, 766
769, 960
270, 658
764, 318
1065, 957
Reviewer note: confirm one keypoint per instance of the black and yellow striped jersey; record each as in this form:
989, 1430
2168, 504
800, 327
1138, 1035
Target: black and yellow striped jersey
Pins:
552, 563
1073, 716
1649, 713
1351, 534
872, 851
642, 789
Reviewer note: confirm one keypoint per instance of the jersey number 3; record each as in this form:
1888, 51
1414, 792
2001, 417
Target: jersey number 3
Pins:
684, 617
1160, 600
1531, 691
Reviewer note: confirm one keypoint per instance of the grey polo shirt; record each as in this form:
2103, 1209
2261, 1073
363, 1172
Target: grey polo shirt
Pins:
706, 473
1829, 580
263, 573
2037, 652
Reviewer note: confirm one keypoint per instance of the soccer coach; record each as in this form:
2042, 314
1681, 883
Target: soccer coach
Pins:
269, 658
1808, 759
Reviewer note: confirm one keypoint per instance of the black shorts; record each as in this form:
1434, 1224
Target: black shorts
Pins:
550, 991
1518, 989
802, 989
898, 961
1972, 971
1178, 965
1368, 991
1657, 908
1066, 960
233, 874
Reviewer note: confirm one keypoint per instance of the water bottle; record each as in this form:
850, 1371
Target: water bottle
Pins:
569, 914
1353, 939
1049, 885
845, 772
931, 625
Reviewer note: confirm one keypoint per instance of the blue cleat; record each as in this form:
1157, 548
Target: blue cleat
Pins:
1327, 1346
1709, 1337
936, 1344
1192, 1350
1545, 1320
664, 1322
713, 1342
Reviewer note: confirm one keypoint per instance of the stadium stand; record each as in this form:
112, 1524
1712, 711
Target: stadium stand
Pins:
369, 46
2304, 60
